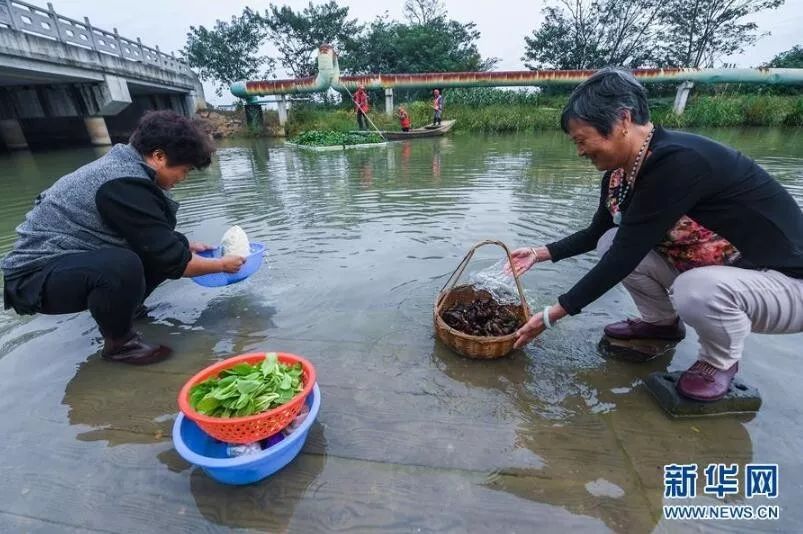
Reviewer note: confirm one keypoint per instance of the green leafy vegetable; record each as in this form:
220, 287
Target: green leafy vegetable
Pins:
332, 137
247, 389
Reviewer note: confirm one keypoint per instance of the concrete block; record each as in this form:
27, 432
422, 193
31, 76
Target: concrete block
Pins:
637, 351
741, 397
115, 96
107, 98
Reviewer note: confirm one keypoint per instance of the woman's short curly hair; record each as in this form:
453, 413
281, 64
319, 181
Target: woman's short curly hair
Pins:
185, 141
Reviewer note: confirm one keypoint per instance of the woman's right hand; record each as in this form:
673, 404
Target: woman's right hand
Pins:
524, 258
231, 264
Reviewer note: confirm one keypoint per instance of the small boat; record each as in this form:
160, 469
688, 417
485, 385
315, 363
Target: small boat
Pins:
430, 130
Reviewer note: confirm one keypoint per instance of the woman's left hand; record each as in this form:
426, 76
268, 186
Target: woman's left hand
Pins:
196, 246
531, 330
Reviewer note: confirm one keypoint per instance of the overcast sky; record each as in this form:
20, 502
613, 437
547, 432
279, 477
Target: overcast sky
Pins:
503, 23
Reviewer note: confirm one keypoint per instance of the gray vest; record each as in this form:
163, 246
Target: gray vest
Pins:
65, 218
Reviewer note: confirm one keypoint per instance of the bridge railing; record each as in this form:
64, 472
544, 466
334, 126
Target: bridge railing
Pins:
24, 17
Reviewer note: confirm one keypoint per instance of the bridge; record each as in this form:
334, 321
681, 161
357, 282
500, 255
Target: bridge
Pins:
61, 78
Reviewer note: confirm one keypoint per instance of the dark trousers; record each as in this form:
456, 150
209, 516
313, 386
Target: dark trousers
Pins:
111, 283
436, 119
362, 120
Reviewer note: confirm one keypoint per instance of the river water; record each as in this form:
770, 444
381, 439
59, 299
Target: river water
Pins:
410, 436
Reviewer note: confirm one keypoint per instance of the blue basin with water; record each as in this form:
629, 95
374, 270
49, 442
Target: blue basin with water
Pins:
211, 455
251, 265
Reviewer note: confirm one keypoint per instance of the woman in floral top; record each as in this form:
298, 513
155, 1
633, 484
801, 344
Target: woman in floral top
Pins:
697, 233
688, 244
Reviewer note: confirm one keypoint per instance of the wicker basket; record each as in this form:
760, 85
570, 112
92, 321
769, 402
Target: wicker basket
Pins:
480, 347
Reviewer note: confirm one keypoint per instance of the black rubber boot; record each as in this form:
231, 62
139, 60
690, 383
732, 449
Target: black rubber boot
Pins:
132, 349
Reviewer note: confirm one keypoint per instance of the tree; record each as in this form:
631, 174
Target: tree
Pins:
228, 52
585, 34
791, 59
701, 31
423, 12
441, 45
297, 35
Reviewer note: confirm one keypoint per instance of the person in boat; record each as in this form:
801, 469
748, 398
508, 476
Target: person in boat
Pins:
361, 106
437, 105
404, 119
697, 232
103, 236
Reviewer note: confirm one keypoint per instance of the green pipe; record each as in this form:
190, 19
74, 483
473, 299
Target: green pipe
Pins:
329, 76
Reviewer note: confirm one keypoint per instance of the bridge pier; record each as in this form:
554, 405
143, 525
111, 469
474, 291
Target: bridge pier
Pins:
389, 101
253, 117
681, 97
282, 110
12, 134
97, 130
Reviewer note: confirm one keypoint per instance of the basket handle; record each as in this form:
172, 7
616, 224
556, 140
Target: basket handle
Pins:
462, 267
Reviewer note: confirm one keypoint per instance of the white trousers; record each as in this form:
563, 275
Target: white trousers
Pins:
723, 304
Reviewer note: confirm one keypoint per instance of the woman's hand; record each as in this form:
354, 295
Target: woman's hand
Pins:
531, 330
197, 246
231, 264
524, 258
536, 325
199, 265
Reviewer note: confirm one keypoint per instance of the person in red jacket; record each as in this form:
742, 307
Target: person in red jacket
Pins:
404, 119
361, 106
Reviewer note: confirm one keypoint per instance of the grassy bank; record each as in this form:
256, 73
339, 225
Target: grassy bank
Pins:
735, 110
543, 113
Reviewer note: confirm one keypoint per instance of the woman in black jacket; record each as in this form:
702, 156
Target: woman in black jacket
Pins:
697, 232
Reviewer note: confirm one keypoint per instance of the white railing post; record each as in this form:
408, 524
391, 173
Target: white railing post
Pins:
55, 19
63, 30
14, 24
91, 34
119, 43
141, 49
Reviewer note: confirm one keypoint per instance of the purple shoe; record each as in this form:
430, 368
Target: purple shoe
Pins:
704, 382
638, 329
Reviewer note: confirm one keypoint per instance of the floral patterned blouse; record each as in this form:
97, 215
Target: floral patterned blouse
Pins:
688, 244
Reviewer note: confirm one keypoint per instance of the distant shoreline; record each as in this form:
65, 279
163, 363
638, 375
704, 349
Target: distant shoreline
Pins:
701, 111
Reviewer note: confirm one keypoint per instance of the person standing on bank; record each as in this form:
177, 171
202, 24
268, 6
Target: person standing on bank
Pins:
437, 105
697, 233
360, 99
103, 237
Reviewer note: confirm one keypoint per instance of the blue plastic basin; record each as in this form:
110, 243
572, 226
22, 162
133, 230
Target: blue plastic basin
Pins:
251, 265
200, 449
